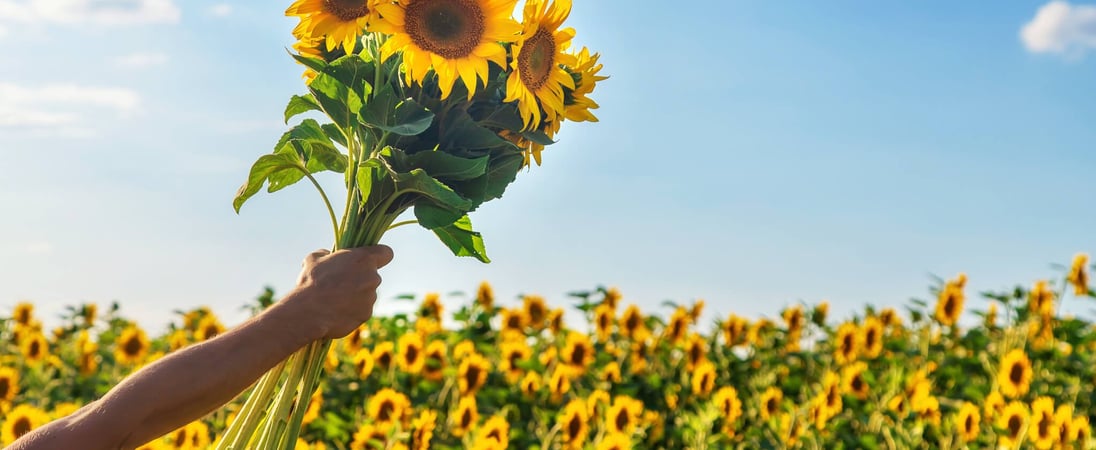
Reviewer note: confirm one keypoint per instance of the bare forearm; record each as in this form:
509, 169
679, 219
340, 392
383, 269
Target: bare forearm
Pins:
188, 384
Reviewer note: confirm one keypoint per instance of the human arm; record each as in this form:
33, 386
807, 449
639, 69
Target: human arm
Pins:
335, 294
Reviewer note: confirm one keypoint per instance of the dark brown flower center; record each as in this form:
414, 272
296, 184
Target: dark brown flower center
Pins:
384, 413
574, 426
1044, 425
471, 377
631, 323
346, 10
449, 28
385, 359
1016, 373
5, 387
132, 346
949, 306
35, 349
857, 383
578, 356
969, 424
1014, 424
537, 59
211, 331
412, 354
870, 338
622, 420
466, 418
770, 405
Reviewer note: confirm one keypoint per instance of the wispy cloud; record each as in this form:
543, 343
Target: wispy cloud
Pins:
141, 60
221, 10
1061, 28
89, 12
61, 108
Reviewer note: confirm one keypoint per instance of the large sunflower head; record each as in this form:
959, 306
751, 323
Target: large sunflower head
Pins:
338, 23
573, 422
9, 384
410, 358
388, 407
453, 38
537, 79
1012, 422
1014, 376
19, 421
1078, 275
132, 346
465, 417
967, 422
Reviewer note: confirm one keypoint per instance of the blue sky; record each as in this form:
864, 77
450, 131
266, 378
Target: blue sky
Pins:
753, 154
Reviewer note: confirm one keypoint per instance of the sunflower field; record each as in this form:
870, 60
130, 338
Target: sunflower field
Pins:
612, 376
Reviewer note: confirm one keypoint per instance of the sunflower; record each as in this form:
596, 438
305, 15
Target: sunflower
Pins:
790, 430
513, 320
535, 310
21, 420
631, 323
611, 372
990, 319
485, 296
538, 78
1015, 374
512, 354
993, 405
64, 410
603, 321
577, 104
154, 445
899, 406
473, 373
315, 403
872, 337
422, 429
949, 305
454, 37
177, 340
1041, 299
793, 319
967, 422
889, 317
132, 347
555, 321
758, 332
770, 402
623, 416
382, 355
734, 330
1012, 422
559, 382
678, 327
1082, 431
23, 313
1063, 425
435, 361
463, 349
597, 402
831, 394
431, 307
465, 417
641, 350
363, 363
88, 358
821, 311
928, 410
368, 436
578, 353
337, 22
209, 328
847, 343
1077, 275
1041, 429
388, 407
9, 385
726, 398
34, 347
853, 380
696, 351
530, 384
410, 355
704, 379
615, 441
573, 422
494, 434
89, 312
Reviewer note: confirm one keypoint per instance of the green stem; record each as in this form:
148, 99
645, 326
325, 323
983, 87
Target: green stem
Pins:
351, 179
326, 202
276, 418
244, 424
400, 224
311, 379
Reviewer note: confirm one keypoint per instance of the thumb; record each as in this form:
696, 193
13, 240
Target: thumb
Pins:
380, 254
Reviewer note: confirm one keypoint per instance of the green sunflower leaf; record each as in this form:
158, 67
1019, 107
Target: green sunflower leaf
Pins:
300, 104
462, 241
387, 112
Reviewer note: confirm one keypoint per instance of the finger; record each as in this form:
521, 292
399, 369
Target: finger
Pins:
315, 256
380, 254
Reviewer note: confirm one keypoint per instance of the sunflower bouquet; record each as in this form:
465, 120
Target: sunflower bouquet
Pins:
433, 106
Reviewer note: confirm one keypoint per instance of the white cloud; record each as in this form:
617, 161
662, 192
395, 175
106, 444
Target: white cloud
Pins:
1061, 28
90, 12
141, 60
61, 107
221, 10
